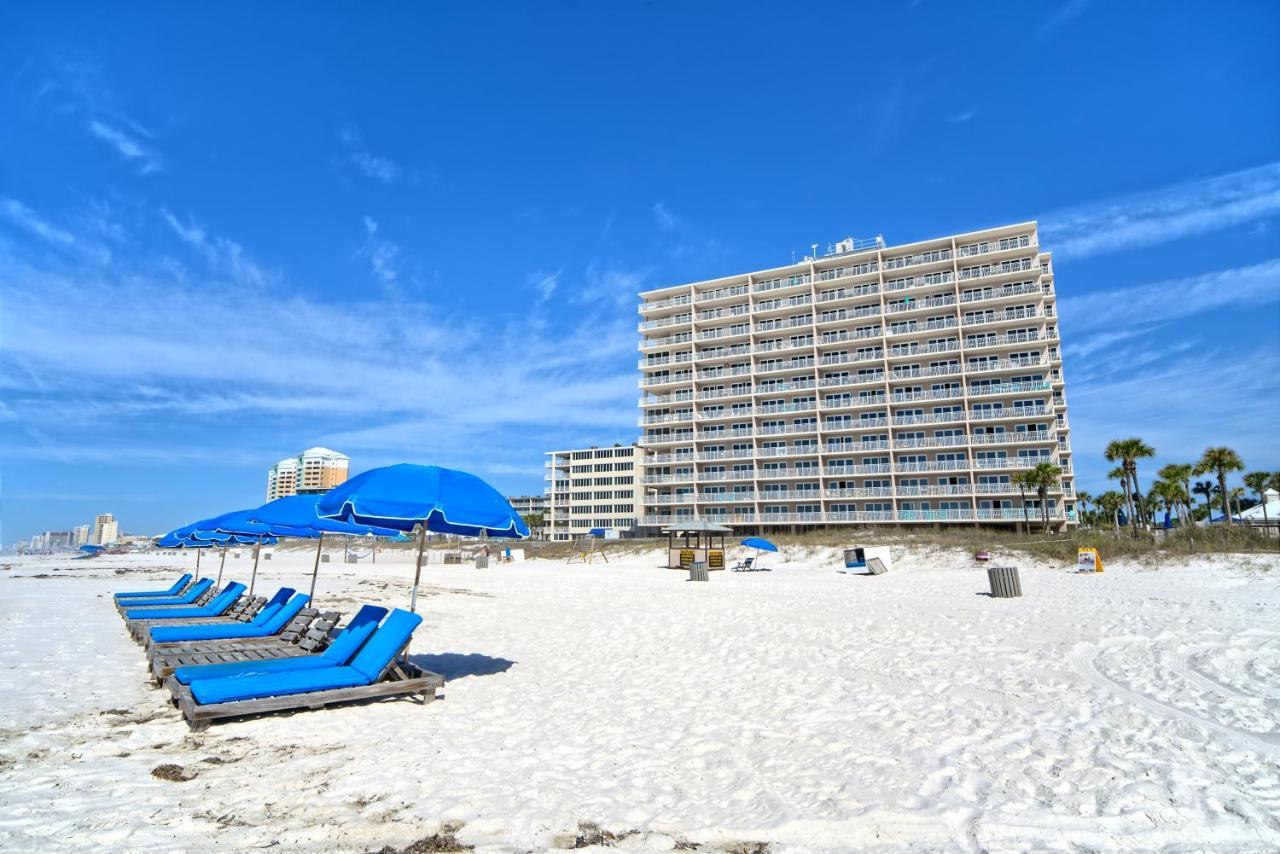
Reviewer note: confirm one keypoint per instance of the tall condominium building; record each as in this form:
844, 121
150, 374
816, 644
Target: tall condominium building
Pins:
105, 530
873, 384
313, 472
592, 488
81, 535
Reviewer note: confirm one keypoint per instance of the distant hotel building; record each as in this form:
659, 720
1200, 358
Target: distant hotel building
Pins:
313, 472
105, 530
592, 488
873, 384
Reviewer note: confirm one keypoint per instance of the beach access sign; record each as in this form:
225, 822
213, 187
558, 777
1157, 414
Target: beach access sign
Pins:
1088, 560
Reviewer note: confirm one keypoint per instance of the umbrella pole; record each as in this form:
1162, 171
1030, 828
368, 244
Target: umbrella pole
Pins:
198, 563
417, 574
257, 548
221, 565
316, 569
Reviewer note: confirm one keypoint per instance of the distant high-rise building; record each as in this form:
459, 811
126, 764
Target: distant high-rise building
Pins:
105, 530
81, 535
313, 472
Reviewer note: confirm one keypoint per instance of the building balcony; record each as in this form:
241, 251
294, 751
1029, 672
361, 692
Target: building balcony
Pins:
722, 293
846, 293
727, 311
994, 293
667, 341
908, 282
719, 373
667, 302
902, 262
1004, 268
920, 304
1010, 412
664, 322
781, 283
851, 380
1009, 388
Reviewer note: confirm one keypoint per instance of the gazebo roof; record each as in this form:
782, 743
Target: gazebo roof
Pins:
694, 526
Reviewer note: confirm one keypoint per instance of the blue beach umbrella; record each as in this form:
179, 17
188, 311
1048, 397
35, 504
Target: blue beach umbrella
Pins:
760, 545
429, 498
297, 515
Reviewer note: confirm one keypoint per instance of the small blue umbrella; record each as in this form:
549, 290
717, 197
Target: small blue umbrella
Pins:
429, 498
760, 545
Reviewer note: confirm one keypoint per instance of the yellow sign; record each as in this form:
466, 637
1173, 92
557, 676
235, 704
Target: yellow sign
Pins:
686, 558
715, 559
1088, 560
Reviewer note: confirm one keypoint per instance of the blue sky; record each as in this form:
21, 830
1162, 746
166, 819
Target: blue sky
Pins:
416, 232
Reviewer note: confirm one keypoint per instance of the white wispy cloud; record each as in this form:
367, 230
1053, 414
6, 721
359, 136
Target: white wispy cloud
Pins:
127, 144
544, 284
375, 166
961, 117
1172, 213
665, 217
1113, 310
177, 350
224, 256
384, 256
1066, 12
18, 214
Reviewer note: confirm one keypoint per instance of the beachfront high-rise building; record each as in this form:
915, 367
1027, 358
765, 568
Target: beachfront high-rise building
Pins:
592, 489
313, 472
873, 384
105, 530
81, 535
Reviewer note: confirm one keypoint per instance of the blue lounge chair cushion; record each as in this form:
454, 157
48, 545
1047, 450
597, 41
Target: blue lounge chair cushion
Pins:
272, 607
368, 664
351, 638
171, 634
196, 591
361, 626
172, 591
223, 601
228, 689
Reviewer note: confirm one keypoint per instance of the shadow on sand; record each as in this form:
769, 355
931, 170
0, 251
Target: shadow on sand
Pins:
454, 665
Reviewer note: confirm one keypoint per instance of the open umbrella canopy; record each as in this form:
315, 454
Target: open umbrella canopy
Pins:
90, 549
759, 543
297, 514
443, 500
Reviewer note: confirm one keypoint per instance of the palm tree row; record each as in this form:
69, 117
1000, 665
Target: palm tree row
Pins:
1173, 490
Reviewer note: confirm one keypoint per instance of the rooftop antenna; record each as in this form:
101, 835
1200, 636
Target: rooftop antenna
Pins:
814, 247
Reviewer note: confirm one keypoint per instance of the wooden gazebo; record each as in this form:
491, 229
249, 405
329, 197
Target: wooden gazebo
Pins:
696, 541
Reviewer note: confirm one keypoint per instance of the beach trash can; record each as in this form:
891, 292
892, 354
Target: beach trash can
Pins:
698, 572
482, 562
1004, 581
266, 555
324, 558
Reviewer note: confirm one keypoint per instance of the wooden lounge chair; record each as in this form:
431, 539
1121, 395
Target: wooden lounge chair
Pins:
373, 673
246, 610
307, 633
344, 647
272, 620
214, 608
188, 597
175, 590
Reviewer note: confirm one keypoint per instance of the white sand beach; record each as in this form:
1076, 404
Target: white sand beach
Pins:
804, 708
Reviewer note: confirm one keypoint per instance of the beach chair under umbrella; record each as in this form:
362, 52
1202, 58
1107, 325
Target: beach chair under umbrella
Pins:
405, 497
760, 545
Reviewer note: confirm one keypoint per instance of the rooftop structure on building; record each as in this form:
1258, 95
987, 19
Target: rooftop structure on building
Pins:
873, 384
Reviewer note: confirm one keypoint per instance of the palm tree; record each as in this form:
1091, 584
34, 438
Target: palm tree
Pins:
1128, 452
1220, 460
1020, 480
1169, 492
1043, 477
1259, 481
1084, 499
1179, 473
1110, 502
1204, 488
1118, 473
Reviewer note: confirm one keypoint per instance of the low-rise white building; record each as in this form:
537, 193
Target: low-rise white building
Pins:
593, 489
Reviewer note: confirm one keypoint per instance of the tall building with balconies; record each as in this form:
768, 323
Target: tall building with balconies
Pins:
873, 384
592, 489
313, 472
